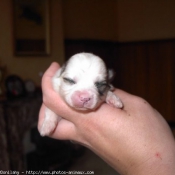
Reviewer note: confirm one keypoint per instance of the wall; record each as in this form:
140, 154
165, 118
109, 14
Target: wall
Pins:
29, 67
145, 20
116, 20
90, 19
119, 20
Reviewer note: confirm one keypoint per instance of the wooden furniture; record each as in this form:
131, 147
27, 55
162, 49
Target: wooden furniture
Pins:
17, 117
4, 154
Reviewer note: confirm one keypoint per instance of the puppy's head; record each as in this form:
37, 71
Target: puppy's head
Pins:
84, 81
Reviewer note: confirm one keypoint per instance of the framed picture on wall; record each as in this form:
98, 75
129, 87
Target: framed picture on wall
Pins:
31, 27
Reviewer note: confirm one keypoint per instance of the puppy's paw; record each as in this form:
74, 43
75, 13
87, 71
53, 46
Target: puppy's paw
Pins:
47, 128
49, 124
113, 100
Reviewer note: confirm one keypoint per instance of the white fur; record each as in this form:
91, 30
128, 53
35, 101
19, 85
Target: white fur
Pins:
76, 83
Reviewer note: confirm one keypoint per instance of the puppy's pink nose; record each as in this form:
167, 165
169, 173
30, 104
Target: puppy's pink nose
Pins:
81, 99
84, 98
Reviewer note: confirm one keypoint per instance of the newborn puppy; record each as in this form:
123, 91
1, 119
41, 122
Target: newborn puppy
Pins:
83, 83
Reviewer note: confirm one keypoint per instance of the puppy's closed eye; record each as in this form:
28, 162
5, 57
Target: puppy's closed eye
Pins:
102, 86
69, 80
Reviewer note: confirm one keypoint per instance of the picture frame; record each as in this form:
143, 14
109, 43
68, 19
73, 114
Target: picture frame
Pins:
31, 23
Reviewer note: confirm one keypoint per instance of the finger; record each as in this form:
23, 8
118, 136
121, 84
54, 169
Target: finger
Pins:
50, 72
48, 91
52, 69
52, 99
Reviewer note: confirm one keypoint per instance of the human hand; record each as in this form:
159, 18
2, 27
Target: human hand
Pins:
134, 140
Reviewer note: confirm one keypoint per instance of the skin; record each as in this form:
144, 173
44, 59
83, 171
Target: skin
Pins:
133, 140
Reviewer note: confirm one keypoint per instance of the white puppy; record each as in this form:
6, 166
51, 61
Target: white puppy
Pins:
83, 83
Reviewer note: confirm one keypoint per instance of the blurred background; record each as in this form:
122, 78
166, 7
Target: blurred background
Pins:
135, 38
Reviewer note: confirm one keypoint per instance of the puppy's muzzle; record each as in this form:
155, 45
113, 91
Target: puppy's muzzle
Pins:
83, 99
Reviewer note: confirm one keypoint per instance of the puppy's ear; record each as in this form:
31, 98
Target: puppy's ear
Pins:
60, 71
111, 75
63, 67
